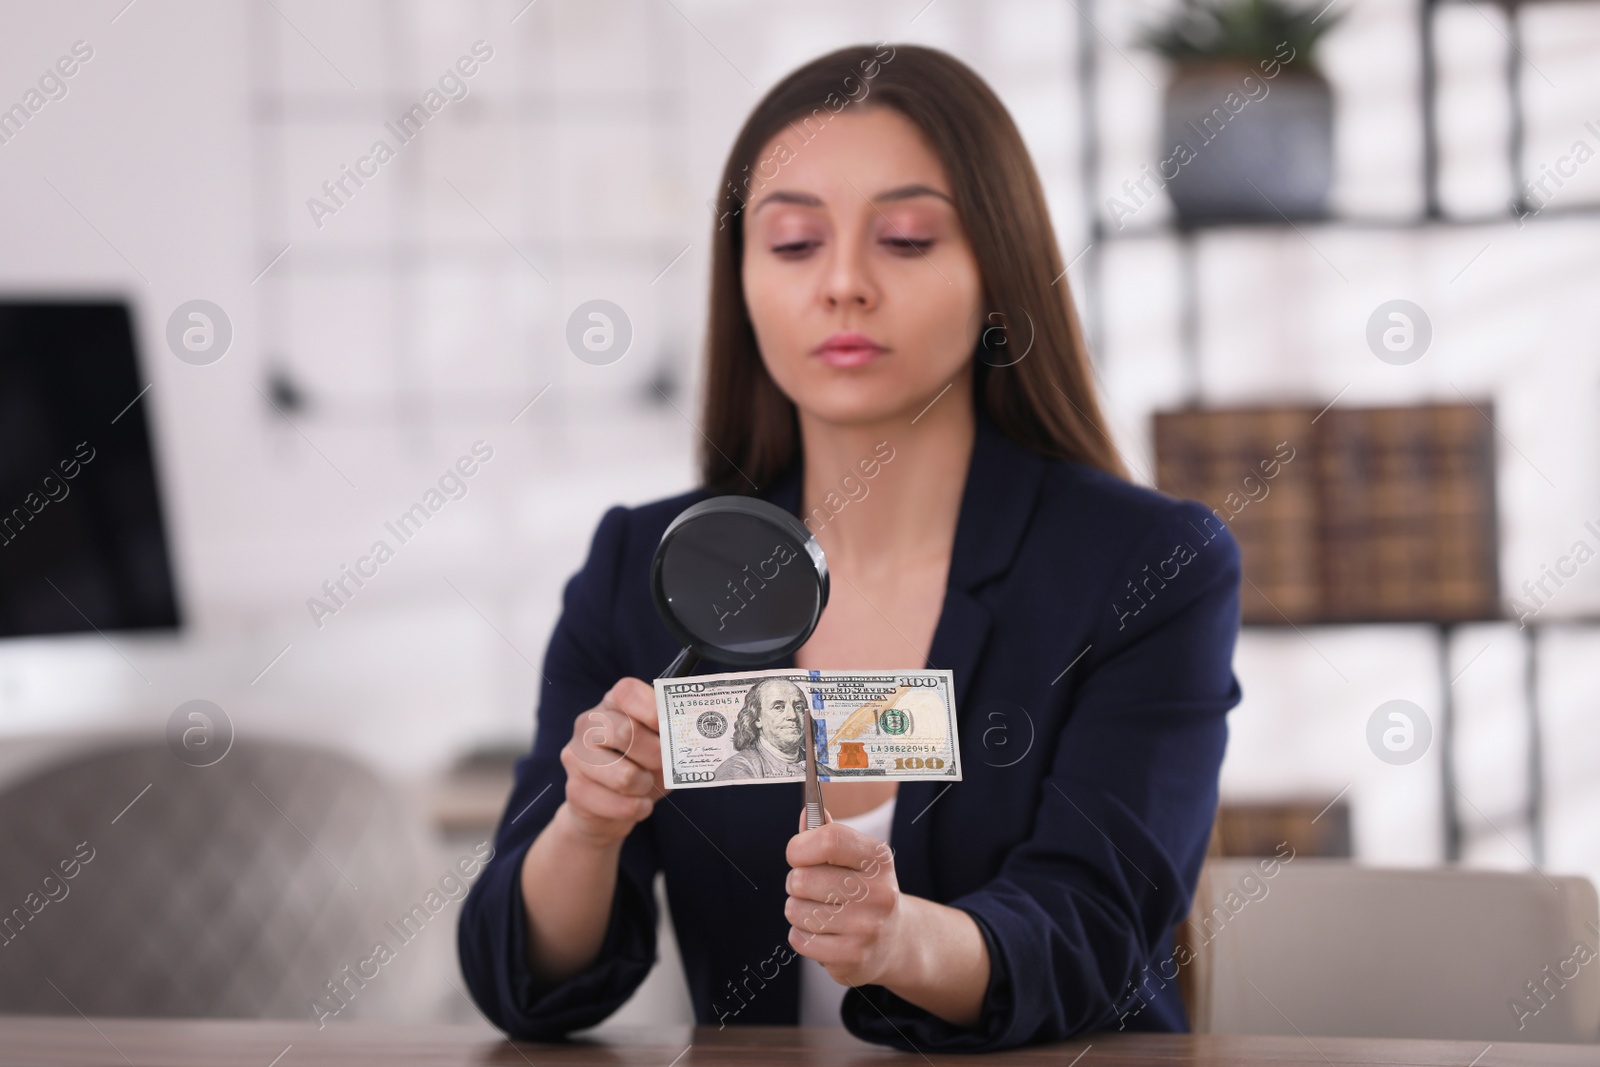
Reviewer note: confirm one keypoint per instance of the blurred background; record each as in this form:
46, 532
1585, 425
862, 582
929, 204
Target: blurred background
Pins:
1381, 249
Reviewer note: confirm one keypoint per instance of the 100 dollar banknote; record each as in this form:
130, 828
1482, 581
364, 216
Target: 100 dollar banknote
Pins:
745, 728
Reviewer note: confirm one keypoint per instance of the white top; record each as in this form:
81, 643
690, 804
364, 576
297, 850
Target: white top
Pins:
820, 995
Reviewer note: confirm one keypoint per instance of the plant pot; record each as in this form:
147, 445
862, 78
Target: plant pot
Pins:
1245, 146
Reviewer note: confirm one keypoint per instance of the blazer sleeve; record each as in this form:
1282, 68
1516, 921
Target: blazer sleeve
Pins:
1122, 819
492, 937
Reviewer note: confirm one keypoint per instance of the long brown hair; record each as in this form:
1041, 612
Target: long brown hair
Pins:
1044, 400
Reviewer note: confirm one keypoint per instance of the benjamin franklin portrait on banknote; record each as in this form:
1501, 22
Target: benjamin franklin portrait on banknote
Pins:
767, 733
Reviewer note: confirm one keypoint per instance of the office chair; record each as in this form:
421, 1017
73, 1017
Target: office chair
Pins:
136, 884
1325, 947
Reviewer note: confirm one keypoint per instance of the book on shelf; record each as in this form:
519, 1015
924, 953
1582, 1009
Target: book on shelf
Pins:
1346, 514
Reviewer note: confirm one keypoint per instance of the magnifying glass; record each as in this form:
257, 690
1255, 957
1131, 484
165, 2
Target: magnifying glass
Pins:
743, 582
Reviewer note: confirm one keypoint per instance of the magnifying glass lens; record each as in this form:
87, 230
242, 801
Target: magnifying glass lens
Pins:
739, 585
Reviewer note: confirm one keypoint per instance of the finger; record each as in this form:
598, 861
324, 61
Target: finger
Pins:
828, 917
624, 773
627, 778
616, 738
827, 884
814, 917
602, 803
604, 735
831, 950
646, 750
618, 775
838, 845
637, 700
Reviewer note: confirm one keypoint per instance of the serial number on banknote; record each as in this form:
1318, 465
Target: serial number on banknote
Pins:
746, 728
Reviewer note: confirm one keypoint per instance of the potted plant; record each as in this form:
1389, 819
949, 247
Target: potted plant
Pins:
1248, 118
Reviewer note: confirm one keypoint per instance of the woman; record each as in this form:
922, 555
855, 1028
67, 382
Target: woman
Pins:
894, 357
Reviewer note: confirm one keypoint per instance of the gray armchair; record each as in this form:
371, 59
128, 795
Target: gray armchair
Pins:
132, 883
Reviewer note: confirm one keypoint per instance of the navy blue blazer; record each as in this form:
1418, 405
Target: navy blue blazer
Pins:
1090, 626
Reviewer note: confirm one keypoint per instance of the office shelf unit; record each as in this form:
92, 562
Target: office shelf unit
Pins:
1189, 242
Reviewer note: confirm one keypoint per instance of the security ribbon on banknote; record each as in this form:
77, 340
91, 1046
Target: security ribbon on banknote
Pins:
745, 728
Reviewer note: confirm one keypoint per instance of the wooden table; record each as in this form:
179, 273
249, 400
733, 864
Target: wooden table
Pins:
74, 1040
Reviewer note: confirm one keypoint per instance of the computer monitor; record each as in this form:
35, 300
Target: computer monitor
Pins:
83, 544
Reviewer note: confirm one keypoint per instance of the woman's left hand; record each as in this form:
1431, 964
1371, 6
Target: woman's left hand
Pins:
845, 909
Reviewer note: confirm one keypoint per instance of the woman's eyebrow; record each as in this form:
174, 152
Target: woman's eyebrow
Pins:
786, 196
903, 192
907, 192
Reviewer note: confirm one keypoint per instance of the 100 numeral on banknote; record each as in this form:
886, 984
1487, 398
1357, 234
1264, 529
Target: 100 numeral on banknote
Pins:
745, 728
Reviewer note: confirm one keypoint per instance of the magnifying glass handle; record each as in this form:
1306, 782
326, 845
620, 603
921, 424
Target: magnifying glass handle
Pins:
813, 791
686, 662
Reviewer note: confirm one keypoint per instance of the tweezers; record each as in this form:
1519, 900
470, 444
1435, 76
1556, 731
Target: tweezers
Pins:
813, 791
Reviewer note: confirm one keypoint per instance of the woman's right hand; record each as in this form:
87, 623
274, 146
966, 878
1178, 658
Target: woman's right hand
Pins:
613, 763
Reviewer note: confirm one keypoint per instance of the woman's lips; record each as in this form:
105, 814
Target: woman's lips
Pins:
848, 350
